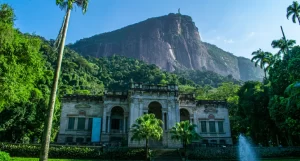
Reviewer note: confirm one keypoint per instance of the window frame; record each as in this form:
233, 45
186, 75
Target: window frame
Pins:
221, 127
212, 126
203, 127
79, 127
71, 126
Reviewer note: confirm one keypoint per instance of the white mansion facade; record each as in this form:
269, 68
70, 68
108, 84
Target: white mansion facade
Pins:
108, 118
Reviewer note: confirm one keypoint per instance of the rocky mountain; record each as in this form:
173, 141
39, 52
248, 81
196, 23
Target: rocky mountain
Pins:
171, 42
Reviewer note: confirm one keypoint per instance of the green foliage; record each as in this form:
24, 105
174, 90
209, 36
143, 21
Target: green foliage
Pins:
294, 11
22, 76
185, 132
74, 152
263, 59
226, 91
284, 46
252, 116
4, 156
68, 4
284, 97
7, 15
21, 64
231, 153
147, 127
203, 78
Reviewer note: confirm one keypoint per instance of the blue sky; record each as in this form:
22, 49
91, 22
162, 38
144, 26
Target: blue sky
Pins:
237, 26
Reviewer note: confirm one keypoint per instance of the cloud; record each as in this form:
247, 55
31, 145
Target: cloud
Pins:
218, 37
251, 34
228, 41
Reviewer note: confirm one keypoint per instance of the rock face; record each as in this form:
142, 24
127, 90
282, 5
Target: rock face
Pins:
171, 42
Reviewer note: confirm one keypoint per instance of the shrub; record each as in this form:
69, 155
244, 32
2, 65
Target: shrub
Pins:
231, 153
4, 156
72, 152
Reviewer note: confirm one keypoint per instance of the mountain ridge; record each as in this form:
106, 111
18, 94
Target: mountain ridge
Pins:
171, 42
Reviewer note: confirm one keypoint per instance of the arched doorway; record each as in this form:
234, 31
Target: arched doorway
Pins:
184, 115
117, 118
156, 109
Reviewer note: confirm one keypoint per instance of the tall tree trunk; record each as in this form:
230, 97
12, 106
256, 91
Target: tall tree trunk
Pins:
265, 71
147, 140
48, 122
184, 146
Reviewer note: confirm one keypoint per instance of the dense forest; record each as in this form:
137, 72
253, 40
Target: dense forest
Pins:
267, 111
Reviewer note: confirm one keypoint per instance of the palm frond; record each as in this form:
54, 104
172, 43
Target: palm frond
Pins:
294, 18
145, 127
289, 13
185, 132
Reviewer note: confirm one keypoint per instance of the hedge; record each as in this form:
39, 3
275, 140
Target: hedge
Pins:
231, 153
72, 152
4, 156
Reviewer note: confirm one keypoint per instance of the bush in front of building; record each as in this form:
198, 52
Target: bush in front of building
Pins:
231, 153
4, 156
72, 152
206, 153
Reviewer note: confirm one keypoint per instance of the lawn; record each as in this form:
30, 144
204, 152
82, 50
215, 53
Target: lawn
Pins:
295, 159
36, 159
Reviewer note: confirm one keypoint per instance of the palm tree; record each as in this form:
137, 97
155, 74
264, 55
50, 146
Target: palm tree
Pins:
284, 46
68, 5
294, 10
185, 132
262, 59
269, 60
147, 127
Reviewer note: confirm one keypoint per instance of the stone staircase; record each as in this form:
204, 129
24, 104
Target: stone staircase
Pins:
167, 155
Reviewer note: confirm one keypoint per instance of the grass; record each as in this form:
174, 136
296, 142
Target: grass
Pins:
290, 159
36, 159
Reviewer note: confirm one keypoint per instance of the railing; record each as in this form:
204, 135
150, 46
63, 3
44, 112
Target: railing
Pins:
146, 87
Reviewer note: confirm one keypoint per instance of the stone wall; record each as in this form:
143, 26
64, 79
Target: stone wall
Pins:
77, 109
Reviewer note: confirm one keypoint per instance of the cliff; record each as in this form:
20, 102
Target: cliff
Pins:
171, 42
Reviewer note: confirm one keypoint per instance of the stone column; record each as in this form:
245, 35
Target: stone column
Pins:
124, 124
76, 123
132, 112
86, 125
104, 120
207, 126
166, 121
108, 124
163, 119
141, 112
177, 111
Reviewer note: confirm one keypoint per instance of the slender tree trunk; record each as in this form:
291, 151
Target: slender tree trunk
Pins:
147, 149
265, 71
48, 122
184, 146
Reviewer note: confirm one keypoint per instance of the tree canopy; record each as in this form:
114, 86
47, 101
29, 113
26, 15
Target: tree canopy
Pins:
147, 127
